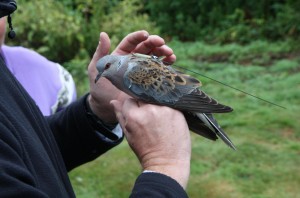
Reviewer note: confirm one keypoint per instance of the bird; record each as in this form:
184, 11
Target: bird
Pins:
149, 79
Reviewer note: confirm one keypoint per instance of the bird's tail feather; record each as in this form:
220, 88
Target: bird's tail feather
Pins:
198, 126
220, 133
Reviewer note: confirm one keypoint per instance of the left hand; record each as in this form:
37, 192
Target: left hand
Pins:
158, 135
103, 91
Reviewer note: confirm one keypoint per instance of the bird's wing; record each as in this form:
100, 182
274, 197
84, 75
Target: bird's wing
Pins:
150, 80
198, 101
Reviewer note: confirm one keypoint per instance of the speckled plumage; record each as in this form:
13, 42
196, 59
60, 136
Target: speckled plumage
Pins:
147, 78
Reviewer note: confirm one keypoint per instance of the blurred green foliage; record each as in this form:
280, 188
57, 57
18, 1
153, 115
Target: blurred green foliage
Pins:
228, 20
60, 29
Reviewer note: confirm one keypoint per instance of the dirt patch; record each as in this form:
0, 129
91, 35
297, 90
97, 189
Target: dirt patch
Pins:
289, 133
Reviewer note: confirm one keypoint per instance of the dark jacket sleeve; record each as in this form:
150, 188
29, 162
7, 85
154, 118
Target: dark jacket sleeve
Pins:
15, 178
78, 141
157, 185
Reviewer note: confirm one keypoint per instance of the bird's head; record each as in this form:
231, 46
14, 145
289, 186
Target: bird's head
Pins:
106, 66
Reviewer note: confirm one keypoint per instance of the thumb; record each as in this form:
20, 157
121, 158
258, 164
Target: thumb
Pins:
118, 111
103, 46
102, 50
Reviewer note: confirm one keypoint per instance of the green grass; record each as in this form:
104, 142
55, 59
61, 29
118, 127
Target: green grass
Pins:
267, 137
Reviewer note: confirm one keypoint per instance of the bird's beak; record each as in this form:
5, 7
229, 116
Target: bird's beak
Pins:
97, 77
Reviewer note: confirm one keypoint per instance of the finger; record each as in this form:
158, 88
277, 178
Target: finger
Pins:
169, 59
163, 50
133, 115
102, 50
130, 42
167, 52
149, 45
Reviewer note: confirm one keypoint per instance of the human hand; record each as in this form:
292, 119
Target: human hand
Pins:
102, 92
158, 135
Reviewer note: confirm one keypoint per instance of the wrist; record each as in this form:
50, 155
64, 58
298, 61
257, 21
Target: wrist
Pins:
107, 131
106, 114
176, 169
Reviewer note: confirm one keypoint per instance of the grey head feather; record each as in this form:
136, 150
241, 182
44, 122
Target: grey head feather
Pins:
113, 68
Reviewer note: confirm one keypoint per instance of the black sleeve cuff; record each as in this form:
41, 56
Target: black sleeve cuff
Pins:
105, 131
157, 185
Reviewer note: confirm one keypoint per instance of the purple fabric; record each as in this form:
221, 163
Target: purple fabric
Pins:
38, 75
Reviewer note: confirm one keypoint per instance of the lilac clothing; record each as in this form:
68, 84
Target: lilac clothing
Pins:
51, 86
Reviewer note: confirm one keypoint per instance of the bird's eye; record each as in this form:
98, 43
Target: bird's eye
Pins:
107, 66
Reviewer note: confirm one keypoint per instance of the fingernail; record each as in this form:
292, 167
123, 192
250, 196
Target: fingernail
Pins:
112, 102
146, 34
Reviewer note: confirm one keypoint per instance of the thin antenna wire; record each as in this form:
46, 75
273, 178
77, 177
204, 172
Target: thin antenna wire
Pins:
231, 87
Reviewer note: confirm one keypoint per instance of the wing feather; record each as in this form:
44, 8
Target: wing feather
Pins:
152, 81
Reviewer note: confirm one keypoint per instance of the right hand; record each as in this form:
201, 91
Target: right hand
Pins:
158, 135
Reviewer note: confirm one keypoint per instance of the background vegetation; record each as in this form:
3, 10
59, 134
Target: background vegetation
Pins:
252, 45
